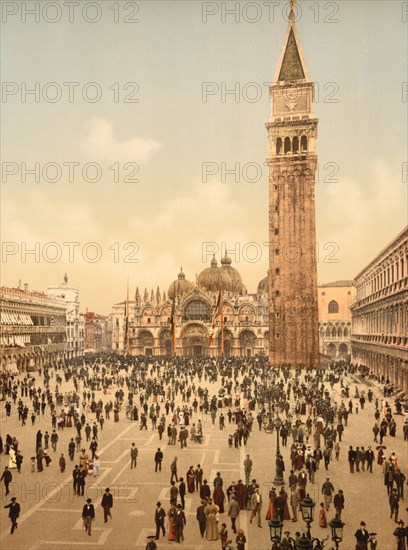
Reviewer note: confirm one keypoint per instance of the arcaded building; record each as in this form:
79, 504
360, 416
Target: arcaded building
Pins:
292, 161
335, 300
33, 330
380, 314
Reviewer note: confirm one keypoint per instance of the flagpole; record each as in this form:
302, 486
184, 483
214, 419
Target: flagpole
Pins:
222, 324
174, 319
127, 317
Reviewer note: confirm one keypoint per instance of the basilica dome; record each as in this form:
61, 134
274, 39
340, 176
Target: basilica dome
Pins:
181, 286
226, 277
263, 286
235, 281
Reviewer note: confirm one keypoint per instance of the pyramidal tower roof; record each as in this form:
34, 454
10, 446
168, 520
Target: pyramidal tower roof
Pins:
292, 65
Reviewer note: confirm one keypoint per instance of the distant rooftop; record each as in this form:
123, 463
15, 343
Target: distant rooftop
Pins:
339, 284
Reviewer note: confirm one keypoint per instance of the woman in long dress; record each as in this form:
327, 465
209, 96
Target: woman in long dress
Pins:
271, 513
286, 513
322, 516
84, 460
211, 511
171, 535
191, 479
12, 458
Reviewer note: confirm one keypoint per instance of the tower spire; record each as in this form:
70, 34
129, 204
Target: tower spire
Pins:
292, 64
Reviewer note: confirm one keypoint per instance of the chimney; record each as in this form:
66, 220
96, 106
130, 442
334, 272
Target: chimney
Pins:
25, 287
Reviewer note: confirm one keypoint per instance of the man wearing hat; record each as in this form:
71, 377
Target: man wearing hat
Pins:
179, 523
159, 517
14, 512
286, 543
400, 534
327, 492
256, 506
151, 545
107, 504
233, 511
201, 518
394, 504
362, 537
369, 456
88, 515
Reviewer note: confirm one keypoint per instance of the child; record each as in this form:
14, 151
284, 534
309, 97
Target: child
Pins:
32, 464
337, 450
240, 540
230, 440
322, 516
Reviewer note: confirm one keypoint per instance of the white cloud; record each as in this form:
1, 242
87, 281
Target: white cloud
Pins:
101, 142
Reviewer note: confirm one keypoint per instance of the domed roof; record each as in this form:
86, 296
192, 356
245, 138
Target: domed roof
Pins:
216, 278
212, 278
235, 284
263, 286
181, 286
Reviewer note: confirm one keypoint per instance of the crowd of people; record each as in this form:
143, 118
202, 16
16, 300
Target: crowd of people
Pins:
170, 396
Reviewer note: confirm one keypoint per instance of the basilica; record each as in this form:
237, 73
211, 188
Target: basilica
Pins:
239, 327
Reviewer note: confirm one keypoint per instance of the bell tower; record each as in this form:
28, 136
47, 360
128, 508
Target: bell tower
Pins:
292, 160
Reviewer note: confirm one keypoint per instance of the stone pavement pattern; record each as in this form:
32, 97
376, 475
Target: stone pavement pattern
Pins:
51, 513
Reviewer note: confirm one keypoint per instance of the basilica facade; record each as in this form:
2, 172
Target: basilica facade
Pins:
142, 326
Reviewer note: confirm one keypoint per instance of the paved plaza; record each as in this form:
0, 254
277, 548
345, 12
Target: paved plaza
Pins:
51, 513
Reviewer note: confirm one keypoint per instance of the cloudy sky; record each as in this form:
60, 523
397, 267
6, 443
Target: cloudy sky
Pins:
120, 131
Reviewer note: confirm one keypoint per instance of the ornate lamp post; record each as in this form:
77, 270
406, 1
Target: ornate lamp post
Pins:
307, 508
336, 526
270, 423
275, 528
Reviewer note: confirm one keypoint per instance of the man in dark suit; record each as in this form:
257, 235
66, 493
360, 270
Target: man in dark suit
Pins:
198, 477
158, 458
159, 517
107, 504
362, 537
81, 481
182, 492
205, 491
6, 477
351, 458
179, 523
88, 515
369, 456
14, 512
201, 518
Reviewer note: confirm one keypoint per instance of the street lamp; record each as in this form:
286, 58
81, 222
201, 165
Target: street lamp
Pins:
270, 423
275, 528
307, 508
336, 526
278, 461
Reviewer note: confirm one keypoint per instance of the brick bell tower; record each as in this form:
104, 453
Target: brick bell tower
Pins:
292, 160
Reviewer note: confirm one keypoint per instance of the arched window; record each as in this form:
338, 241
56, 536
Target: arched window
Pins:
279, 146
197, 310
345, 333
287, 145
333, 307
148, 320
303, 143
295, 145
